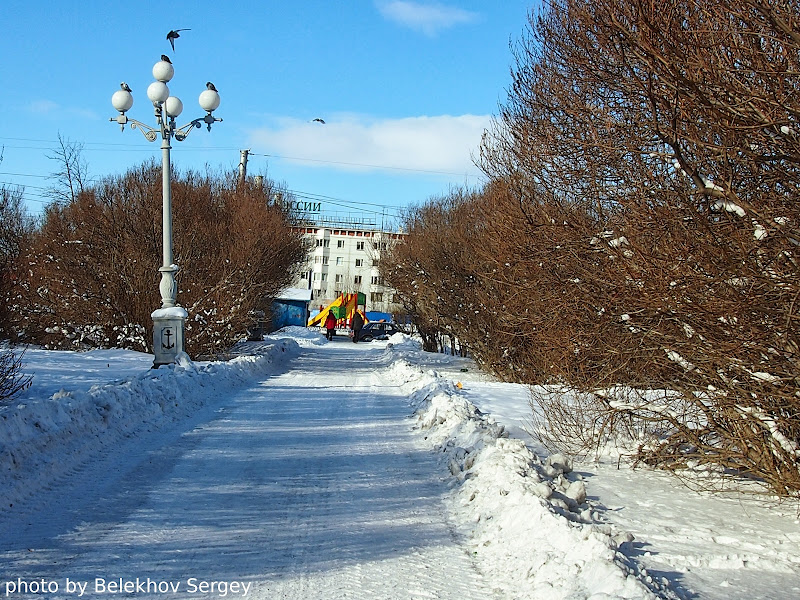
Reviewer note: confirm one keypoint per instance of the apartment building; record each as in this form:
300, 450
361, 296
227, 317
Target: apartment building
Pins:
346, 260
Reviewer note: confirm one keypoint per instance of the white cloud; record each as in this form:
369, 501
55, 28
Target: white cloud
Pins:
441, 144
50, 108
428, 18
43, 107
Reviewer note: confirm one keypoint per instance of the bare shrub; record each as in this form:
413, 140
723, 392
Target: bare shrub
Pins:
90, 273
568, 421
12, 380
431, 268
662, 137
15, 229
639, 233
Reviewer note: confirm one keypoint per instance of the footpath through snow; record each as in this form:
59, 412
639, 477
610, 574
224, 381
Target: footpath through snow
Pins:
301, 469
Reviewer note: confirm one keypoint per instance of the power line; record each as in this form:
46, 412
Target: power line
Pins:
343, 202
313, 195
351, 164
139, 148
120, 147
23, 175
380, 209
96, 145
43, 198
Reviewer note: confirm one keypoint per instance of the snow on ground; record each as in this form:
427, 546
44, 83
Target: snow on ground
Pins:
79, 403
740, 546
309, 469
525, 521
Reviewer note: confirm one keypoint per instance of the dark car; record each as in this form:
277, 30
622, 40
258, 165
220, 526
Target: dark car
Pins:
377, 331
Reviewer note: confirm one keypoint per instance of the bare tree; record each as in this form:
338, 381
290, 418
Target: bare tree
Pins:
71, 177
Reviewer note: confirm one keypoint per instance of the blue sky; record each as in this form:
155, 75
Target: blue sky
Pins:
405, 89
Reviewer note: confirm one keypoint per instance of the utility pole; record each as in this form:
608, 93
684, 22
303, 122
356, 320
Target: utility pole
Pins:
243, 165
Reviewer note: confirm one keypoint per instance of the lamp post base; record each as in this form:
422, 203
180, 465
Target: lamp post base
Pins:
168, 334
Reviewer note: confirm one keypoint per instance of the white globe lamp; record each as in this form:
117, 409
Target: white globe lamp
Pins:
163, 71
122, 101
158, 92
174, 106
209, 100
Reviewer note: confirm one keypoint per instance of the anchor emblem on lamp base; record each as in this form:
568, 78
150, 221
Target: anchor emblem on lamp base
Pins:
168, 334
169, 321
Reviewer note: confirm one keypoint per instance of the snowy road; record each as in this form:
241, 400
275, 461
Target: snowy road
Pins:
308, 485
308, 469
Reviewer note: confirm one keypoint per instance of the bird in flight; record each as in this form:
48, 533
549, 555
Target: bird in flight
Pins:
125, 87
173, 35
165, 58
318, 120
210, 86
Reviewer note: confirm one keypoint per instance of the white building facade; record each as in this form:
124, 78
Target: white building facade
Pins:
346, 260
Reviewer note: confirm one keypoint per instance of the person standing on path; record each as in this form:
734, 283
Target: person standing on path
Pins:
356, 323
330, 326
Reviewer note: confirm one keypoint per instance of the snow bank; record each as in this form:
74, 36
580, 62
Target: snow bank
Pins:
530, 525
42, 439
304, 336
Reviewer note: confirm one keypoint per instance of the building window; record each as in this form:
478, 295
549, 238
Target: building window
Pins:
377, 280
359, 245
324, 277
359, 262
323, 243
375, 297
357, 280
340, 243
338, 278
339, 261
321, 260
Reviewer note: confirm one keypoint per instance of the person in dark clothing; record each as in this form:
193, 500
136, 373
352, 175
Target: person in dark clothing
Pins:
356, 323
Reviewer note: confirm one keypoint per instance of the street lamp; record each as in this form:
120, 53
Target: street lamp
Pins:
168, 321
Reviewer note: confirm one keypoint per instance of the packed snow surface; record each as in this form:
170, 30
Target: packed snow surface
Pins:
310, 469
